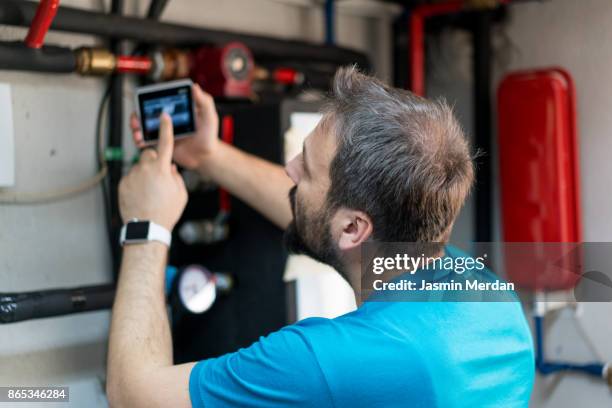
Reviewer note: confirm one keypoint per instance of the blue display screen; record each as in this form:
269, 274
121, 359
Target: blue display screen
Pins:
176, 102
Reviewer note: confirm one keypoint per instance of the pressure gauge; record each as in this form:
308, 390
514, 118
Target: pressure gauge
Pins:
197, 288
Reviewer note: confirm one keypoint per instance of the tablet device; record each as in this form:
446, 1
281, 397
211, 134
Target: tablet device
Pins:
175, 99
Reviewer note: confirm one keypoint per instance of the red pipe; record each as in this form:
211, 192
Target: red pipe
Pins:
133, 65
436, 9
227, 135
288, 76
416, 51
416, 43
45, 13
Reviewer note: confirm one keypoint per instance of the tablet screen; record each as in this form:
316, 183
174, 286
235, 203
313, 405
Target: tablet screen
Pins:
176, 102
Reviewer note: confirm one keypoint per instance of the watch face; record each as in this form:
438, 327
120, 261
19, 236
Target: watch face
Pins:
137, 230
197, 289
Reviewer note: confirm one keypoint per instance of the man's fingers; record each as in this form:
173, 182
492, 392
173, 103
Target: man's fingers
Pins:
177, 175
136, 131
134, 122
148, 155
166, 139
205, 104
138, 139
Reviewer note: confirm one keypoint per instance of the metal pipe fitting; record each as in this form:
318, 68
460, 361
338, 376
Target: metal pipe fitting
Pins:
95, 61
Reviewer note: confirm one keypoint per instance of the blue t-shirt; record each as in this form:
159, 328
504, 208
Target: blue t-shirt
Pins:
384, 354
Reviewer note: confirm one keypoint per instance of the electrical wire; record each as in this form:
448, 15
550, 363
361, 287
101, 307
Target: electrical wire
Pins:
49, 196
100, 150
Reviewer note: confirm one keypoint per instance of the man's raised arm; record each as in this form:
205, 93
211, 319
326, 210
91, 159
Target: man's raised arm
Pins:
140, 368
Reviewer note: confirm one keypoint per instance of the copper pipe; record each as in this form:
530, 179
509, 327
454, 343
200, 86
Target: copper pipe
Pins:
134, 65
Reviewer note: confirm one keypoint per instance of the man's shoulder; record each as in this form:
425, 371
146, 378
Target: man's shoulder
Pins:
401, 332
364, 360
368, 333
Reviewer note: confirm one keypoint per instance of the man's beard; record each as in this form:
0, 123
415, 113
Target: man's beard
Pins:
312, 236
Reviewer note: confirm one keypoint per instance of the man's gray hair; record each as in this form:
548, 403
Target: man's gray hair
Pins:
402, 159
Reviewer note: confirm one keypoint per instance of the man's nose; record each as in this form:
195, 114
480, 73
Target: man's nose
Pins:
294, 168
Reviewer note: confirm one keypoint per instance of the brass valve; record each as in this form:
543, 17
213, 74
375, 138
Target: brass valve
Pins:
95, 61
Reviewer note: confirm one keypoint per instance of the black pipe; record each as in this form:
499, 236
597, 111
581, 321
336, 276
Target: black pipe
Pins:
16, 56
156, 9
16, 307
21, 12
481, 40
115, 141
400, 50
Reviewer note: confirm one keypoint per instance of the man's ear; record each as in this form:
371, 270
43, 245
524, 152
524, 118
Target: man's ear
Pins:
352, 228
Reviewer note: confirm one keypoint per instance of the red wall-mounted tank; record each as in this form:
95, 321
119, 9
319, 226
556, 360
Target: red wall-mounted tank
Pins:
538, 155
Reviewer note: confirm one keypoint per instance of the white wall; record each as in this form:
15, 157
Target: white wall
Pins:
64, 244
574, 35
55, 245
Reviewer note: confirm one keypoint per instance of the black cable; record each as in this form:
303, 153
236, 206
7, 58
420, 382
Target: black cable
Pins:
105, 188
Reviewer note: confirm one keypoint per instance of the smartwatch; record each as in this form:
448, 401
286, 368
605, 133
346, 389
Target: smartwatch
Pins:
140, 231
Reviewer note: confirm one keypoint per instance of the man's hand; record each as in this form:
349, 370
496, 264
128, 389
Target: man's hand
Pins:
261, 184
154, 190
193, 151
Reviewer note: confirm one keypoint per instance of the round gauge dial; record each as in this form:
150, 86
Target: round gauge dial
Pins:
238, 63
197, 288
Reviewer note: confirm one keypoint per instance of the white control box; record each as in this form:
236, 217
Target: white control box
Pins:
7, 138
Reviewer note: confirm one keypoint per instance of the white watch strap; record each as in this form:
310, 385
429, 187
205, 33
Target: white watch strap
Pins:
159, 233
156, 233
